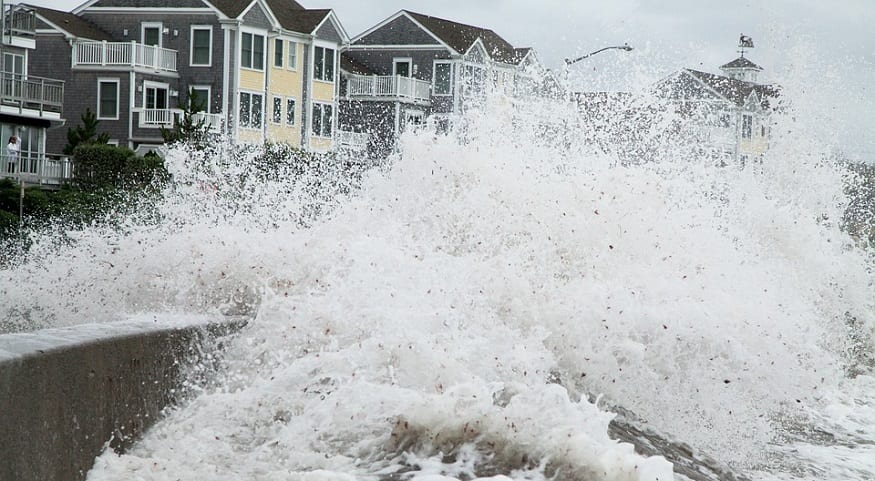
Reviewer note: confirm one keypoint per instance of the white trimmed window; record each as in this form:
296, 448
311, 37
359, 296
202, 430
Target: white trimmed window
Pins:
290, 111
202, 94
151, 33
442, 78
322, 119
201, 45
251, 110
293, 55
278, 53
746, 126
277, 116
252, 51
323, 64
107, 99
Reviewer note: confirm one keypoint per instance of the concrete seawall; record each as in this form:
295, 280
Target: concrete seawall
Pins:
66, 393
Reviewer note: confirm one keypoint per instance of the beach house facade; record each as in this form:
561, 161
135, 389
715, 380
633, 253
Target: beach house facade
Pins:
250, 65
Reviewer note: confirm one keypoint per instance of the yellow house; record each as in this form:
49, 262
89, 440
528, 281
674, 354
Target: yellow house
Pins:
282, 74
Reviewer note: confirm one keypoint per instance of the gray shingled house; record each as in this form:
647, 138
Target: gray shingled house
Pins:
411, 66
252, 64
730, 112
31, 106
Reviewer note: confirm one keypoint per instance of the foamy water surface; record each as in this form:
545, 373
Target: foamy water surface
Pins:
475, 307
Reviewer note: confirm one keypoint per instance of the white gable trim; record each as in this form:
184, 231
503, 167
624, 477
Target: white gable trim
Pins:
55, 27
396, 16
396, 47
218, 12
708, 87
264, 8
344, 37
80, 8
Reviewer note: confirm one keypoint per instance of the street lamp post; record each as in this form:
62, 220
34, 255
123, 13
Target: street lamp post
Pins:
569, 62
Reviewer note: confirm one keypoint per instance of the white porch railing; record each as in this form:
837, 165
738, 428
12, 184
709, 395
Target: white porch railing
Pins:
158, 117
37, 93
354, 141
388, 86
123, 54
213, 122
37, 169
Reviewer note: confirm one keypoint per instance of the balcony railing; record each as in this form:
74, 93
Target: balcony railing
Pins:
213, 122
128, 55
388, 86
32, 93
35, 169
353, 141
19, 21
158, 117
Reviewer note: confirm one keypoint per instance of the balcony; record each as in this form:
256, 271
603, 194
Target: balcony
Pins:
125, 56
388, 87
351, 141
49, 171
157, 118
31, 96
212, 122
19, 22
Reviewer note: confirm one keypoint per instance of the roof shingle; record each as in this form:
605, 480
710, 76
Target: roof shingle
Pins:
461, 37
72, 24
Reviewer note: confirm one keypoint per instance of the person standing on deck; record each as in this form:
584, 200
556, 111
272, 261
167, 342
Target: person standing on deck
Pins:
12, 151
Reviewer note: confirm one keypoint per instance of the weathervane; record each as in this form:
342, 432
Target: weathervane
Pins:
744, 42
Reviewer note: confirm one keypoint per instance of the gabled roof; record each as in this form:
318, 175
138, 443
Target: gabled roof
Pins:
231, 8
71, 24
461, 37
139, 4
520, 53
731, 89
741, 62
688, 83
300, 20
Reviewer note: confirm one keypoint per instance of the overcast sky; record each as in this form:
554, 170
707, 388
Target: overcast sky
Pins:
827, 47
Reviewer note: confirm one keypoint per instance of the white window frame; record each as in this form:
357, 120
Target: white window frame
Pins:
434, 78
209, 98
322, 120
282, 42
750, 127
407, 60
273, 112
265, 49
148, 84
292, 48
118, 93
248, 125
145, 25
191, 48
334, 71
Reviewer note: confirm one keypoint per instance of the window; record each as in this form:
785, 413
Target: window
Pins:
201, 96
155, 96
746, 126
443, 78
278, 52
13, 64
277, 110
290, 111
151, 34
763, 131
323, 64
250, 110
252, 51
322, 119
107, 99
401, 66
201, 46
293, 55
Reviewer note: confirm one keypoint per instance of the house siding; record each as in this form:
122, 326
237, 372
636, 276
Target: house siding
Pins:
256, 17
401, 31
328, 33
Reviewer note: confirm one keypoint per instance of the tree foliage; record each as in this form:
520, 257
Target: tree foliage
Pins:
86, 133
189, 128
101, 166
